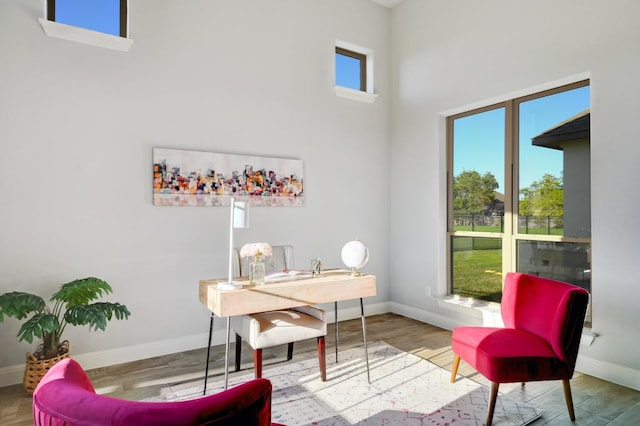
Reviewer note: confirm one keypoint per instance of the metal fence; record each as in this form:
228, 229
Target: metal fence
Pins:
495, 223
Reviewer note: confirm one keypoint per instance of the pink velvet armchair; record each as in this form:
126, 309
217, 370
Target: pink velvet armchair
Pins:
66, 396
543, 321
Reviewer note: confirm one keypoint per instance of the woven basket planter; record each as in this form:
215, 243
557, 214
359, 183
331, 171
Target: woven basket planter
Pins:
37, 368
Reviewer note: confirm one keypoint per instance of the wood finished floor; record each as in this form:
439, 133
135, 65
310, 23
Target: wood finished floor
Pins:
597, 402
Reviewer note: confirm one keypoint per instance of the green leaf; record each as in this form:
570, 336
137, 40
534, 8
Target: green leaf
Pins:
19, 305
473, 193
72, 305
81, 292
96, 315
38, 325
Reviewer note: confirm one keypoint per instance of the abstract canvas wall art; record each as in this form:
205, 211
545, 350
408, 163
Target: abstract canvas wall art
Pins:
199, 178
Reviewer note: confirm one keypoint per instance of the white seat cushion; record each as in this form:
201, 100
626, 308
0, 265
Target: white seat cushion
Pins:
273, 328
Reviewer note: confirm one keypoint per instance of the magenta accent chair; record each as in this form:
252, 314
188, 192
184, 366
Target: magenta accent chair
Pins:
65, 396
543, 321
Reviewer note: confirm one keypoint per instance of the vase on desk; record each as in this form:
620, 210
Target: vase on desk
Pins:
257, 274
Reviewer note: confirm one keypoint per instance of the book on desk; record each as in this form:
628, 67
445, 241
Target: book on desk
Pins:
287, 275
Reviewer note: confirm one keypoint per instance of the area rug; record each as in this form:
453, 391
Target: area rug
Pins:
404, 390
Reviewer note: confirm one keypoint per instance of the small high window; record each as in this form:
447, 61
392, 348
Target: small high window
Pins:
105, 16
351, 69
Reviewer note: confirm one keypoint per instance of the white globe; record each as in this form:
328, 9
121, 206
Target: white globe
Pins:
355, 254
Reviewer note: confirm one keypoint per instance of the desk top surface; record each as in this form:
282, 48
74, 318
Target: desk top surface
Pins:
285, 292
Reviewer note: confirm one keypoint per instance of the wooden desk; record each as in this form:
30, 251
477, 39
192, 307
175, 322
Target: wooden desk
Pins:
331, 286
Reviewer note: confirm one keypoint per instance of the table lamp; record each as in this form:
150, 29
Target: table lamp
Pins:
239, 218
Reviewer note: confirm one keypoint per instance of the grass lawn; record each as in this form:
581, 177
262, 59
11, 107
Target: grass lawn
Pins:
477, 273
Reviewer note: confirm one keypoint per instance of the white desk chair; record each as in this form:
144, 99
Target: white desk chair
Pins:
273, 328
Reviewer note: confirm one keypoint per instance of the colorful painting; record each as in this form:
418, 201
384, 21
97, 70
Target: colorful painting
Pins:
197, 178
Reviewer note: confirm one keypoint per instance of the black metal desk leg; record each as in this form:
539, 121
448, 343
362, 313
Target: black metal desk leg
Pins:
226, 355
364, 338
206, 369
335, 307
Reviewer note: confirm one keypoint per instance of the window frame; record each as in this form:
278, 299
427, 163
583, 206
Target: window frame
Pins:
511, 233
367, 94
123, 27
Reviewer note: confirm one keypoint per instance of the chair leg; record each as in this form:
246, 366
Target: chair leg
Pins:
257, 362
289, 351
568, 399
322, 358
238, 351
454, 368
492, 402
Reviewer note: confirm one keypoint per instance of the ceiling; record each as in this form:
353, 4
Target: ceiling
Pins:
387, 3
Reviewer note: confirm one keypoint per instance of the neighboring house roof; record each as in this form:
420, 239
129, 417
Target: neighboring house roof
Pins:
573, 129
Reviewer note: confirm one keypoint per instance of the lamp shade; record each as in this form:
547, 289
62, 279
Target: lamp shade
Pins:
238, 218
240, 214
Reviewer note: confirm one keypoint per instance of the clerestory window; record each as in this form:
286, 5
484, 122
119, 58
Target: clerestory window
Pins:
106, 16
354, 72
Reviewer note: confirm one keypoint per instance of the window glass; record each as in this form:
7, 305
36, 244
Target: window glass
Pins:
97, 15
350, 69
478, 171
478, 204
477, 268
554, 164
568, 262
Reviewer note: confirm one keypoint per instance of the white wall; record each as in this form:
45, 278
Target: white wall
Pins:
455, 54
77, 125
77, 128
577, 189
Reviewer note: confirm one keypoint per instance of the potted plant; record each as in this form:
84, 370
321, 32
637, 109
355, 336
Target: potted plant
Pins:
71, 305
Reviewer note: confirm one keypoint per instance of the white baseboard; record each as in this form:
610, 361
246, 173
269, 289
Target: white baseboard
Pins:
13, 374
423, 316
614, 373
